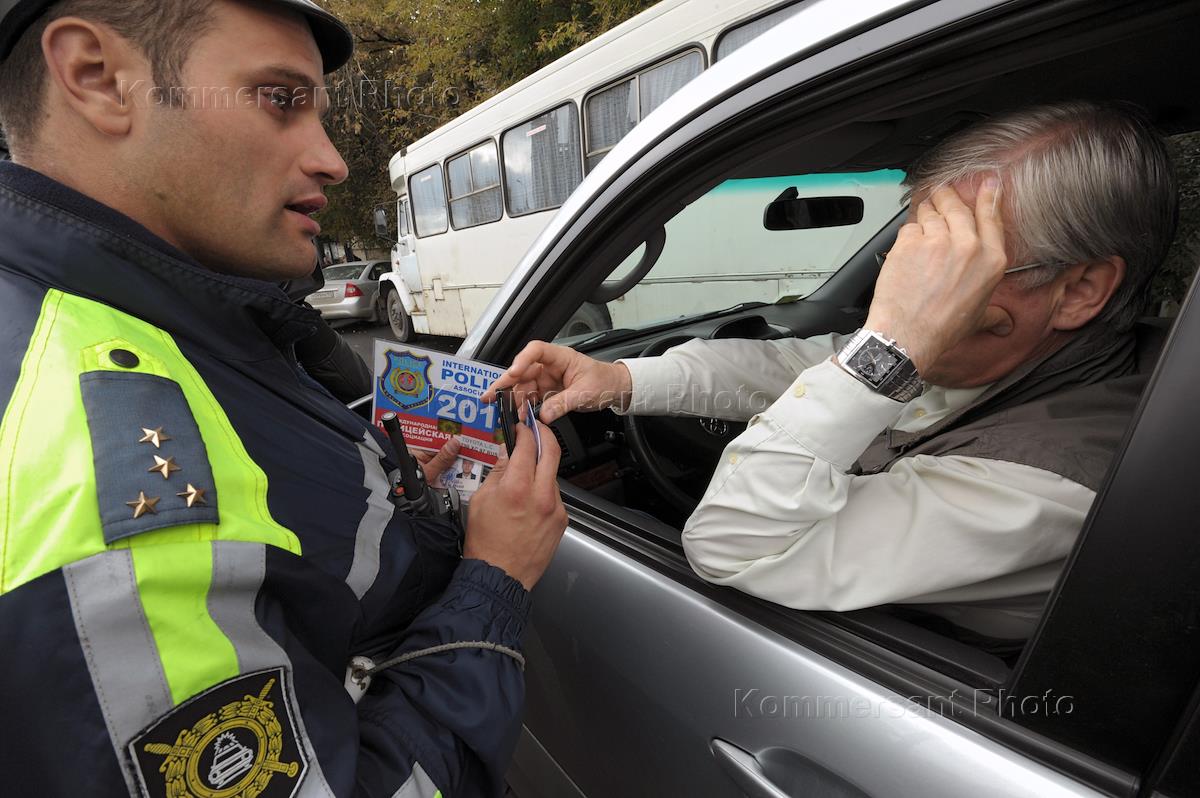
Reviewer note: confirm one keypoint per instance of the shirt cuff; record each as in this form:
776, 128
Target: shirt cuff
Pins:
832, 414
654, 380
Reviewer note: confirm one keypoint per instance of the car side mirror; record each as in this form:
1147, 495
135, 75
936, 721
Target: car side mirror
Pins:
789, 212
382, 229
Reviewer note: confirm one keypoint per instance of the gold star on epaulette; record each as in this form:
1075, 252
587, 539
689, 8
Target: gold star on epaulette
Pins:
155, 436
143, 505
165, 467
193, 495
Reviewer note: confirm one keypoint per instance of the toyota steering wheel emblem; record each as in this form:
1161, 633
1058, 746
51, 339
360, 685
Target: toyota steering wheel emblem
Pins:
715, 426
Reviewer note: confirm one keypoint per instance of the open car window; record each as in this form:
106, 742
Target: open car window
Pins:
719, 252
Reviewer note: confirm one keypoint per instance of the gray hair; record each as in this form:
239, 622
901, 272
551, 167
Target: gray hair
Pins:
1083, 181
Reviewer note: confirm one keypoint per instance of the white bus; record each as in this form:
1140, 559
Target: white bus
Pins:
474, 194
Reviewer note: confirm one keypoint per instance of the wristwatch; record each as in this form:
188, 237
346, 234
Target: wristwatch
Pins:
882, 365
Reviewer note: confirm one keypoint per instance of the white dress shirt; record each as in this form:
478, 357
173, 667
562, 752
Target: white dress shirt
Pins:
977, 541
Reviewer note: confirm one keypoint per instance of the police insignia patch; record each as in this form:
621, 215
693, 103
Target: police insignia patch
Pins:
406, 381
235, 740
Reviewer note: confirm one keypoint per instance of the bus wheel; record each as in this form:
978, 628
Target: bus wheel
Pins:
590, 318
398, 318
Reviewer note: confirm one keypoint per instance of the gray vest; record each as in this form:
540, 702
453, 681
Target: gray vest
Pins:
1066, 413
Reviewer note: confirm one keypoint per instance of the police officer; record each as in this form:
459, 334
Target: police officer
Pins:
195, 539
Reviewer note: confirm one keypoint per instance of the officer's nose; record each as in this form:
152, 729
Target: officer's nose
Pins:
322, 160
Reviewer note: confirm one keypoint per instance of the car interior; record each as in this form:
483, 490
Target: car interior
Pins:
651, 471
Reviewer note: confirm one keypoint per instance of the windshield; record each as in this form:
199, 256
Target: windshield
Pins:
348, 271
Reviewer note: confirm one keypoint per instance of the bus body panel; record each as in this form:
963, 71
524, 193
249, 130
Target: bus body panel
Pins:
461, 270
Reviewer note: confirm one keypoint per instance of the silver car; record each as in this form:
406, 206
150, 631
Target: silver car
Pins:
643, 679
351, 291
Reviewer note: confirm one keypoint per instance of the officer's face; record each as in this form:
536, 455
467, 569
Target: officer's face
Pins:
238, 165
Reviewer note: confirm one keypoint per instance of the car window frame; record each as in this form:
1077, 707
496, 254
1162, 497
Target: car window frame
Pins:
893, 42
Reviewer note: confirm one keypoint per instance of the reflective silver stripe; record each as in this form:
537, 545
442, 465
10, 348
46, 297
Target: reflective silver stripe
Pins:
365, 566
119, 648
418, 785
238, 572
237, 576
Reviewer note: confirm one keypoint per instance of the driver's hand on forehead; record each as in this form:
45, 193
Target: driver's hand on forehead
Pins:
934, 287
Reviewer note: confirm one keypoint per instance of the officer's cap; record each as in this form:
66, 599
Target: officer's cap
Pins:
333, 37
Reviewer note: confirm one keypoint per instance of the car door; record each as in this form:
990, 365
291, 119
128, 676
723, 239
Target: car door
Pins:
645, 680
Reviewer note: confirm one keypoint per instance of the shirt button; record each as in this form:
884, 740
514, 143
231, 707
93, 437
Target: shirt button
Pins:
124, 358
920, 412
733, 459
799, 390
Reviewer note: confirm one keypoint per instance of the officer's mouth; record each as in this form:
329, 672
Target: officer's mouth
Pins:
304, 209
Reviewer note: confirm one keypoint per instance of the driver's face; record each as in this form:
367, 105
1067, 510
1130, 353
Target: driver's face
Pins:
990, 354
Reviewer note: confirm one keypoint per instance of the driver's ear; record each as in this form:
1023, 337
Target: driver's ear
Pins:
95, 72
1084, 291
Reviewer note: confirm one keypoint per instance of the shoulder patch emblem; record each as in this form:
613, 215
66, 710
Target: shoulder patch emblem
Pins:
235, 740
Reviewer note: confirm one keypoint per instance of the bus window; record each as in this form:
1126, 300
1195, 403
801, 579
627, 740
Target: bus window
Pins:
402, 217
428, 201
609, 115
658, 83
474, 187
542, 161
735, 37
613, 111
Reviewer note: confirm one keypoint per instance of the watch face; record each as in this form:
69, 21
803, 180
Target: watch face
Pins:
874, 361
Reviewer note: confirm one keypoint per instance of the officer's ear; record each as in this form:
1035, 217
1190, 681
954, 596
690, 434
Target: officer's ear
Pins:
96, 72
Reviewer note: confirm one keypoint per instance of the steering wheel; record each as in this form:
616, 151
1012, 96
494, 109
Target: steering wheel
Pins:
696, 441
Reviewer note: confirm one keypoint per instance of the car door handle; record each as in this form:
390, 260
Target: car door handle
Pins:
745, 771
786, 774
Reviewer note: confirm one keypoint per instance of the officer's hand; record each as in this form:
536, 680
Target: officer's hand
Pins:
434, 464
563, 380
517, 517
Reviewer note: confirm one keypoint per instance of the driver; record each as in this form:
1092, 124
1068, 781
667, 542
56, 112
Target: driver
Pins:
947, 453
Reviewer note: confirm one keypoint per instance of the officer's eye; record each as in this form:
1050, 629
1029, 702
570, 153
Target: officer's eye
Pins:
281, 99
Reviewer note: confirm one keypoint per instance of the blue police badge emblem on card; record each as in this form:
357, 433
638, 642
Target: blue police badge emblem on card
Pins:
406, 380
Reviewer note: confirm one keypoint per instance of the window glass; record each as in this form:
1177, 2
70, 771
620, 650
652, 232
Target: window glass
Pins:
610, 114
613, 112
342, 271
402, 216
734, 38
428, 197
379, 269
719, 254
657, 84
542, 161
475, 187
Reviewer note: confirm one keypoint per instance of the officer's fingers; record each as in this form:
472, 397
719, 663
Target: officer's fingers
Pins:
520, 469
438, 463
497, 473
421, 456
547, 465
